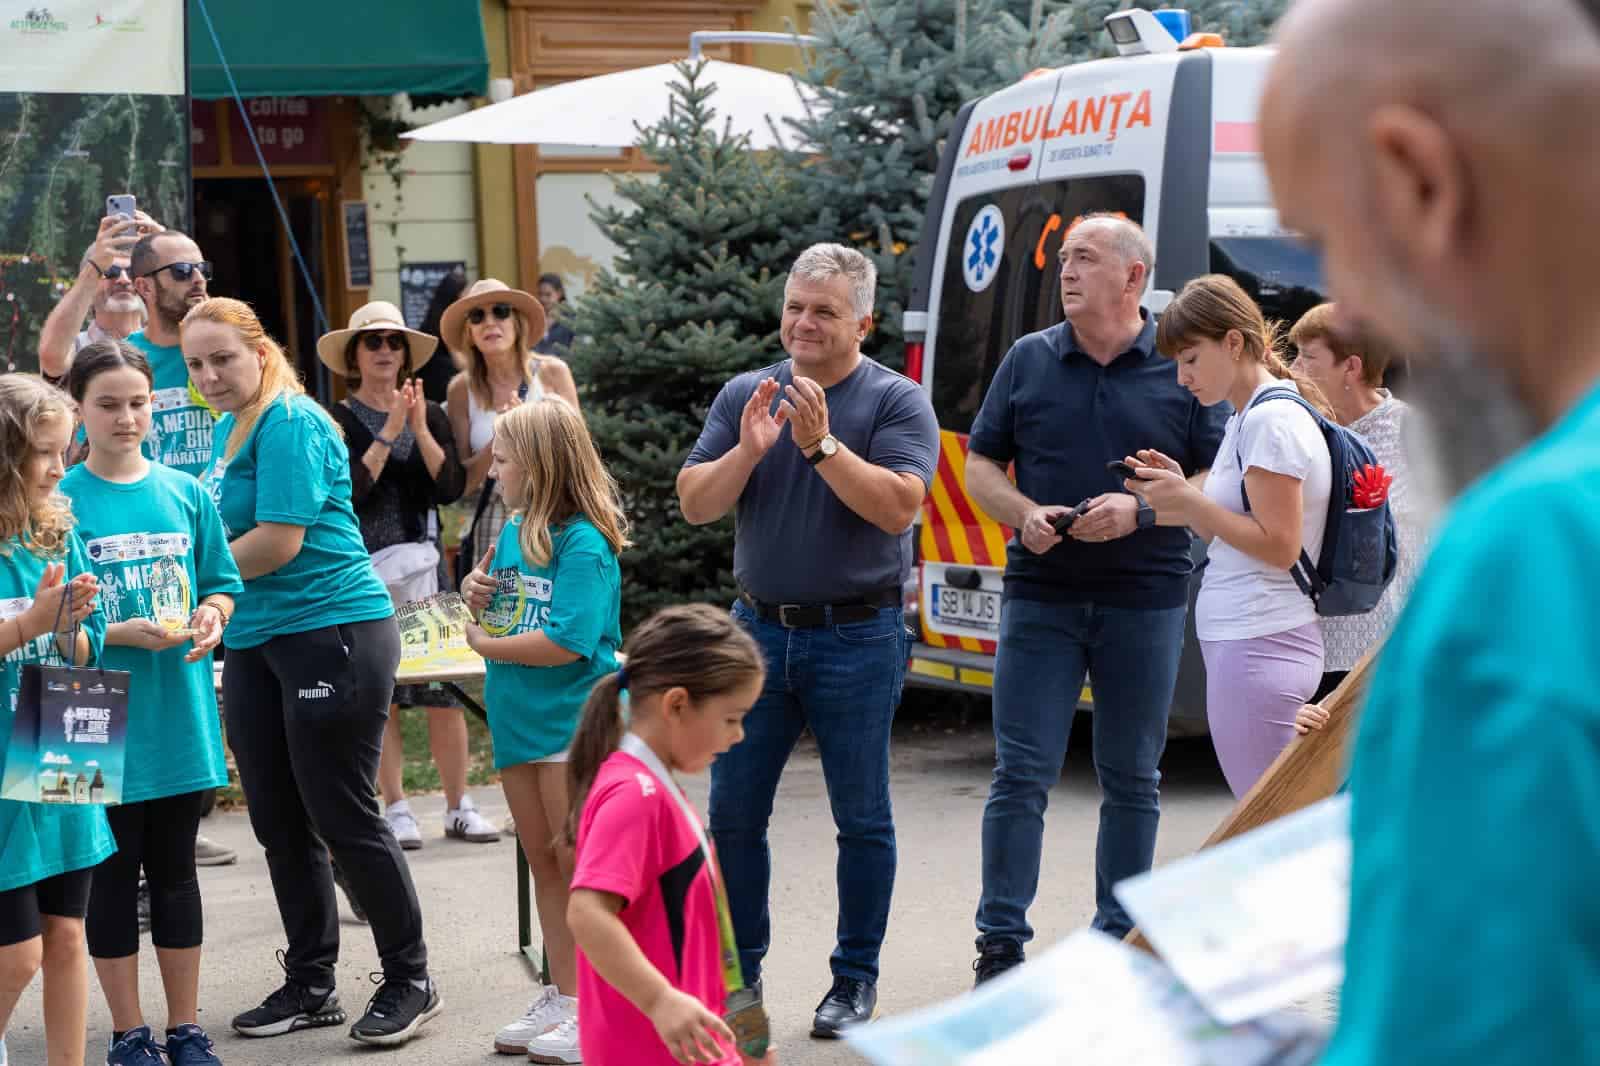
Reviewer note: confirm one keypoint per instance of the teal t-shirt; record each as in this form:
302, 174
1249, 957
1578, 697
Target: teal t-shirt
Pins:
577, 601
181, 424
38, 840
1475, 822
294, 469
133, 533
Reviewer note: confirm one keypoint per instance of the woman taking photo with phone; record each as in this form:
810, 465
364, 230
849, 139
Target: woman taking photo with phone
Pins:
312, 652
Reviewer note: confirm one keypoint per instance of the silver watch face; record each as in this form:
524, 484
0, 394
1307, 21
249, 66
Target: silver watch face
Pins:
828, 445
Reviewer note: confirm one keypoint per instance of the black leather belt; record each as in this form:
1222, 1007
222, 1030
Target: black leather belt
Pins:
808, 615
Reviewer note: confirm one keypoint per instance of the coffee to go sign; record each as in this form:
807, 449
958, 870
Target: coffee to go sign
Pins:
1106, 115
292, 131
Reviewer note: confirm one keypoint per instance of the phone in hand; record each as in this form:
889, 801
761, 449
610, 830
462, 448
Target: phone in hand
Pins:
1123, 471
1064, 522
124, 204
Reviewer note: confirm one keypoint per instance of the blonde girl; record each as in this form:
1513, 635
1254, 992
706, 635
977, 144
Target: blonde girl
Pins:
48, 615
547, 597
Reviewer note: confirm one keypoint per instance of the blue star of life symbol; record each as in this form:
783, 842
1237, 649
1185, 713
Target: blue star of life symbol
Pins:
984, 246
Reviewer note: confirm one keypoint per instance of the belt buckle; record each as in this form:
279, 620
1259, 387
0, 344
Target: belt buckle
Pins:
784, 610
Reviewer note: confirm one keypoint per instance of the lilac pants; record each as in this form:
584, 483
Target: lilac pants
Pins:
1254, 689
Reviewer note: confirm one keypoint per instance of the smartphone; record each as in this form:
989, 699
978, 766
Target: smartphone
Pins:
1122, 470
124, 204
1064, 522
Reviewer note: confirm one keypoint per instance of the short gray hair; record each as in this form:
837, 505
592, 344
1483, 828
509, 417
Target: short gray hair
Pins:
1128, 239
824, 262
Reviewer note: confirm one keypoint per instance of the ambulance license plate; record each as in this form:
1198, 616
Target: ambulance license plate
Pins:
975, 608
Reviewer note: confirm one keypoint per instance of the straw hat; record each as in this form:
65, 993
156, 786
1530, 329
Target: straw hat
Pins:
378, 315
485, 293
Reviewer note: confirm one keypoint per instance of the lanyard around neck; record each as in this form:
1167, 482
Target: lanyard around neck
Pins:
732, 974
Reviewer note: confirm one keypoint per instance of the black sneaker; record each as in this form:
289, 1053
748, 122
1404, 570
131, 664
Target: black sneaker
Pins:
850, 1002
995, 957
290, 1009
395, 1012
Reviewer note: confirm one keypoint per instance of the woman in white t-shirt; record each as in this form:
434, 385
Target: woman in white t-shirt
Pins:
1258, 631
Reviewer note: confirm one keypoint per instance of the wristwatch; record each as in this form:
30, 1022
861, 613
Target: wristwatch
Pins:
825, 447
1147, 515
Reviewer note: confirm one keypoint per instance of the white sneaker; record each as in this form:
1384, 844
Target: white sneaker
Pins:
465, 823
543, 1014
4, 1058
403, 824
559, 1045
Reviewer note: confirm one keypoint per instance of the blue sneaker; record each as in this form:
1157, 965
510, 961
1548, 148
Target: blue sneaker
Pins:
136, 1048
189, 1045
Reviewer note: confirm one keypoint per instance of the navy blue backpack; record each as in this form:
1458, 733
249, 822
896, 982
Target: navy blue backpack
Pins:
1360, 548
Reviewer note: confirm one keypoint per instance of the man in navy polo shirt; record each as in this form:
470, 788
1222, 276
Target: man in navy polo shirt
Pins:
822, 548
1108, 598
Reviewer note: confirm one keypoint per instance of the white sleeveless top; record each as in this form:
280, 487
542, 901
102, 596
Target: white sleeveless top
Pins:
480, 423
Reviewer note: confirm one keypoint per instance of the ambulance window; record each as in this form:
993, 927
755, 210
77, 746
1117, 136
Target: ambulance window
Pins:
994, 292
1280, 274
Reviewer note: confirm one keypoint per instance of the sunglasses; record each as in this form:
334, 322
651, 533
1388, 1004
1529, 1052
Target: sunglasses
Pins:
374, 341
477, 314
183, 271
114, 272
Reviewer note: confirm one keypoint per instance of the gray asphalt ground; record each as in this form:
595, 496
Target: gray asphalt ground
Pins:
468, 895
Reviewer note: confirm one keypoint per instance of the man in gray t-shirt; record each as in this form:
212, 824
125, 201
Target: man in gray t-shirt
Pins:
824, 516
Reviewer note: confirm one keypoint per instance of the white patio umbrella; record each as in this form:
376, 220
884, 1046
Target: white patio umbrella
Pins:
602, 111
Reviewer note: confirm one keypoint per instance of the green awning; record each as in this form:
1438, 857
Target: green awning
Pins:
339, 48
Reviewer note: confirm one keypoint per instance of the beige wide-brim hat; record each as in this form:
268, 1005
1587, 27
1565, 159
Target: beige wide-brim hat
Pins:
377, 315
486, 292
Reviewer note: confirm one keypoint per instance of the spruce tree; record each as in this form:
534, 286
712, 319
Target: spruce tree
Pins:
692, 298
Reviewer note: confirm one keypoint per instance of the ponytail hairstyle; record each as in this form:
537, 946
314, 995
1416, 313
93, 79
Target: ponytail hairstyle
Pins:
695, 647
278, 377
27, 403
1212, 306
99, 356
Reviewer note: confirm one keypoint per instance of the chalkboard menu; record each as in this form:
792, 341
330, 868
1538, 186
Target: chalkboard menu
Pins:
418, 283
357, 246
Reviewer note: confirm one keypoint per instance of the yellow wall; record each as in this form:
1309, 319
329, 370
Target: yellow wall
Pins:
495, 188
781, 16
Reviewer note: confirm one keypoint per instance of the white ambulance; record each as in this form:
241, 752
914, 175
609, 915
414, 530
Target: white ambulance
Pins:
1164, 134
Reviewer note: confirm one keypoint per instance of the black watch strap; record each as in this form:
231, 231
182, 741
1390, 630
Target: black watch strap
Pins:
1147, 515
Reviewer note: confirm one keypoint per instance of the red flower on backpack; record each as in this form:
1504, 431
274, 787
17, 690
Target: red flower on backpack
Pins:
1370, 486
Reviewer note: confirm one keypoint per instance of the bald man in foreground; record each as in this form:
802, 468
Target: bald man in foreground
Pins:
1444, 154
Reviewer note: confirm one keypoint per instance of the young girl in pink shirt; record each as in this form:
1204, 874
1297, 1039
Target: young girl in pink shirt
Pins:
658, 973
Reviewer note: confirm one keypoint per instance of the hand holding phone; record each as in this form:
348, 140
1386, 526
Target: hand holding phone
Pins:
124, 204
1064, 522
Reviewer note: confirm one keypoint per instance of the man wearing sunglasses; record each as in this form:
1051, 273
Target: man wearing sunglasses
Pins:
104, 284
170, 276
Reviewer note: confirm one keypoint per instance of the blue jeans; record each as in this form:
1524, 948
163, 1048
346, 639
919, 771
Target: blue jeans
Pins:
844, 682
1045, 650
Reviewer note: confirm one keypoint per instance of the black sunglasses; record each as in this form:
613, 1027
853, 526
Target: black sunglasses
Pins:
501, 311
183, 271
115, 272
374, 341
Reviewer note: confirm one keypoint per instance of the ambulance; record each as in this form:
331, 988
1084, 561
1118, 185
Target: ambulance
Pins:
1163, 134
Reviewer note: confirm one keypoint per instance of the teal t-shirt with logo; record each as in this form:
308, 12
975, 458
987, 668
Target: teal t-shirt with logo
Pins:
181, 424
1475, 784
577, 601
294, 469
157, 545
38, 840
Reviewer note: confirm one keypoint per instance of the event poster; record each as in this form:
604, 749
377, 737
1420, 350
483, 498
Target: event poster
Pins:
92, 103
